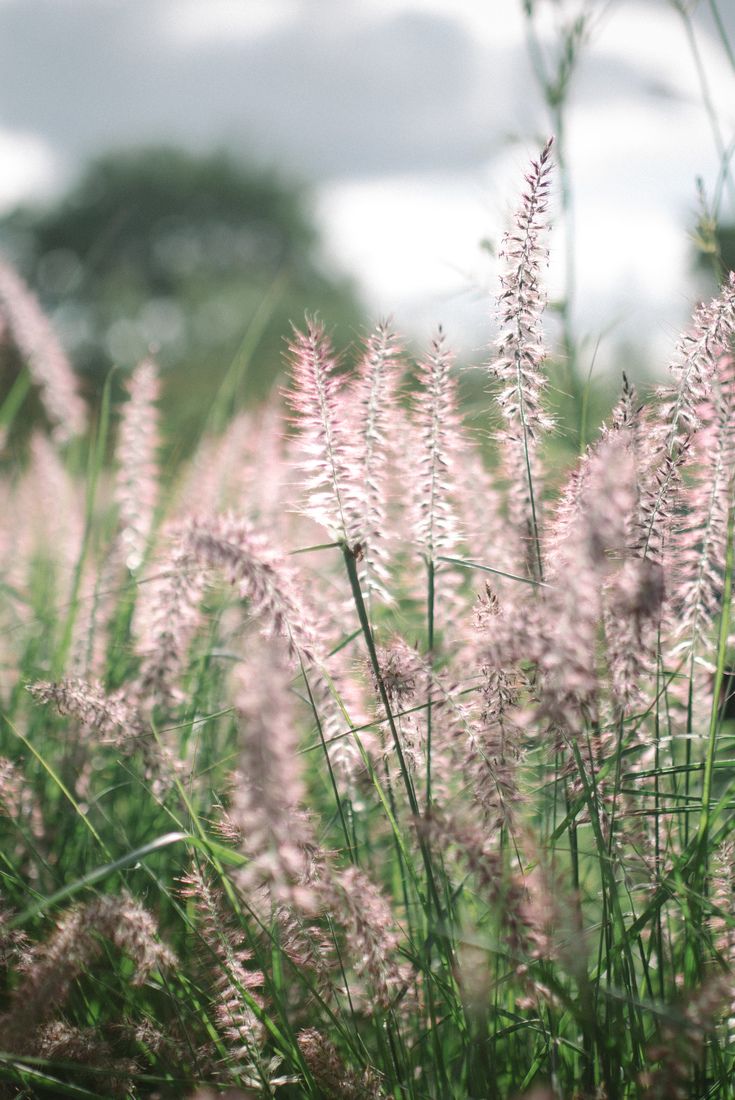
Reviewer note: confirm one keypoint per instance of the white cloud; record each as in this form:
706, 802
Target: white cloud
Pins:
405, 233
653, 38
498, 23
28, 168
193, 23
402, 111
635, 154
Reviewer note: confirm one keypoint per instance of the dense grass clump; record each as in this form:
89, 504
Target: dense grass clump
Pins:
344, 767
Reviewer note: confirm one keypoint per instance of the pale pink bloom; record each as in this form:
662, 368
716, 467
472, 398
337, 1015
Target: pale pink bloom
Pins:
262, 476
520, 345
206, 475
109, 717
695, 363
309, 946
626, 415
412, 685
235, 984
260, 574
660, 482
522, 472
11, 788
22, 804
434, 444
264, 578
137, 483
518, 366
61, 1042
562, 524
701, 531
58, 519
683, 1035
550, 912
97, 599
269, 795
597, 539
331, 694
168, 615
634, 595
47, 363
596, 507
634, 603
245, 469
356, 903
374, 427
489, 537
437, 422
630, 425
463, 839
336, 1080
401, 670
559, 630
406, 679
335, 496
694, 369
482, 746
495, 742
722, 922
53, 966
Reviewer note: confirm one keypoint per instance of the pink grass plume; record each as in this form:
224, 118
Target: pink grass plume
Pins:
38, 345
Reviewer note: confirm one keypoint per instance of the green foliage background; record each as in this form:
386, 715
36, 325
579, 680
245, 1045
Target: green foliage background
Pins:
197, 259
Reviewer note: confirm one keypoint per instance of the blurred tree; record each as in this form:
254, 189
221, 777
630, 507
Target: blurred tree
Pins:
196, 258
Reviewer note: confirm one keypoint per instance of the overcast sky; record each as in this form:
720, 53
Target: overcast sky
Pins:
414, 120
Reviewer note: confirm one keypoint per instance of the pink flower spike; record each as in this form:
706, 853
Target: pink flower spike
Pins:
520, 343
137, 453
375, 397
437, 421
39, 346
334, 498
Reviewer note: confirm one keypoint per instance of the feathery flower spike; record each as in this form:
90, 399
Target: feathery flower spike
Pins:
233, 977
335, 499
168, 616
437, 420
521, 353
520, 343
375, 395
701, 535
38, 344
259, 572
136, 489
54, 966
268, 800
694, 369
109, 717
336, 1080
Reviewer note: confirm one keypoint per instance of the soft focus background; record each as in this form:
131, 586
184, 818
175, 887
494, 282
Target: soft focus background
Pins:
187, 177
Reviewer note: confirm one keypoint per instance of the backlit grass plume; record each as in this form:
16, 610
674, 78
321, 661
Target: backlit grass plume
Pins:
41, 352
520, 352
335, 495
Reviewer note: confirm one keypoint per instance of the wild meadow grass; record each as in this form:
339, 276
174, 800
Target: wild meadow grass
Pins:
341, 765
